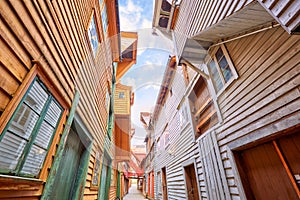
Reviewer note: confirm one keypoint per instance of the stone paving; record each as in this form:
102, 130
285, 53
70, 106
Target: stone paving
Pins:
134, 194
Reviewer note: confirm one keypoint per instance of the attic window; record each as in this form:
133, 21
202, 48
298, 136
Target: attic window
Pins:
163, 22
166, 6
121, 95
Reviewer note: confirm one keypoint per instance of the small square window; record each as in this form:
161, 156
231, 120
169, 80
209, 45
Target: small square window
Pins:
121, 95
221, 69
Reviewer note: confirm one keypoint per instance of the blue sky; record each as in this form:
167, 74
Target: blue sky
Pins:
153, 51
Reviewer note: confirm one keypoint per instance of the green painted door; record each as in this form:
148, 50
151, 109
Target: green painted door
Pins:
67, 172
103, 181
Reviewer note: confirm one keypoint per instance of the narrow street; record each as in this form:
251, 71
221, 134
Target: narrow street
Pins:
134, 194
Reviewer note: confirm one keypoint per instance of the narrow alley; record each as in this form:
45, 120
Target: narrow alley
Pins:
134, 194
150, 99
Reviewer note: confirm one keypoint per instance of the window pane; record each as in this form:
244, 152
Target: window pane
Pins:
11, 148
37, 97
23, 122
104, 19
44, 135
219, 54
227, 74
223, 63
225, 69
34, 161
215, 76
93, 36
53, 113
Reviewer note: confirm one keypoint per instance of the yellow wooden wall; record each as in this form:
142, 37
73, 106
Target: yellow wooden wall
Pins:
122, 105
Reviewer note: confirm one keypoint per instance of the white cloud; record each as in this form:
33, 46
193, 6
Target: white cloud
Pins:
129, 81
131, 16
146, 23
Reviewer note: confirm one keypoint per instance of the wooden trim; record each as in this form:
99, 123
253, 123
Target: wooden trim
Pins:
58, 156
51, 151
90, 19
286, 167
185, 164
13, 104
51, 86
237, 176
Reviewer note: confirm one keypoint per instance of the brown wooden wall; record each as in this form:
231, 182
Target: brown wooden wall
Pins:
54, 35
264, 99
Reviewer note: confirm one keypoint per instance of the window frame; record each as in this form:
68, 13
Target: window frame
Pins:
97, 169
93, 16
17, 171
103, 8
232, 68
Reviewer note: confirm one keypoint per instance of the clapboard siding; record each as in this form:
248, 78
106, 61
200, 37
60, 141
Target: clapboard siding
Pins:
285, 12
201, 15
53, 34
264, 99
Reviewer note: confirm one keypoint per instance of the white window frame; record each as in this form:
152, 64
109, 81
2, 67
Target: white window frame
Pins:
230, 64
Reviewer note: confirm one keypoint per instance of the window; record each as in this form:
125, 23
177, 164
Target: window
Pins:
27, 137
121, 95
183, 116
221, 69
93, 35
96, 171
104, 19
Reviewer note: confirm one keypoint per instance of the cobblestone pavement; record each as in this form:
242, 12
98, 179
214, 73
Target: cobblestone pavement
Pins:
134, 194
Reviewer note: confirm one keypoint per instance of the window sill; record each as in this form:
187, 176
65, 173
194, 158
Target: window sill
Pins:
18, 179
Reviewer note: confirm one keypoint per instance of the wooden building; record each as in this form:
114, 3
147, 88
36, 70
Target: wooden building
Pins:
58, 63
227, 124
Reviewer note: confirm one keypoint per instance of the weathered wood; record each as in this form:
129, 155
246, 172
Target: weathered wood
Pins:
12, 105
59, 152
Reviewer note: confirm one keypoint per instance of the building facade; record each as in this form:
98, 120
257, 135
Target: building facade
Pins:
59, 61
227, 124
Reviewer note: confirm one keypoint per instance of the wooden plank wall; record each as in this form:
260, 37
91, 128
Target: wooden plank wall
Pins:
285, 12
181, 147
265, 98
195, 16
53, 33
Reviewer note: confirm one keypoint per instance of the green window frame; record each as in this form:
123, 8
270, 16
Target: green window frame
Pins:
26, 139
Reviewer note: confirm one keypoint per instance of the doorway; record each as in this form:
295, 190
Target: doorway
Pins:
191, 182
64, 186
271, 170
164, 183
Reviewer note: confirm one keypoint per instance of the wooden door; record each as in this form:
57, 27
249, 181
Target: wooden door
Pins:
64, 183
270, 170
149, 184
164, 184
152, 184
103, 183
191, 182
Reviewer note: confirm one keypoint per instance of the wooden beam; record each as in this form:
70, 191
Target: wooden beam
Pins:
196, 69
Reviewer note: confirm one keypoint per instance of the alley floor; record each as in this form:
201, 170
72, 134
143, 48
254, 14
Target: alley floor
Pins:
134, 194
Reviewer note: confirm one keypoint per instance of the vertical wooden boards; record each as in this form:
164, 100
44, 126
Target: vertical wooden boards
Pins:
215, 179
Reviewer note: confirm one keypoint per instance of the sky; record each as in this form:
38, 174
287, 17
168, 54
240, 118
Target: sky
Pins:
146, 75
